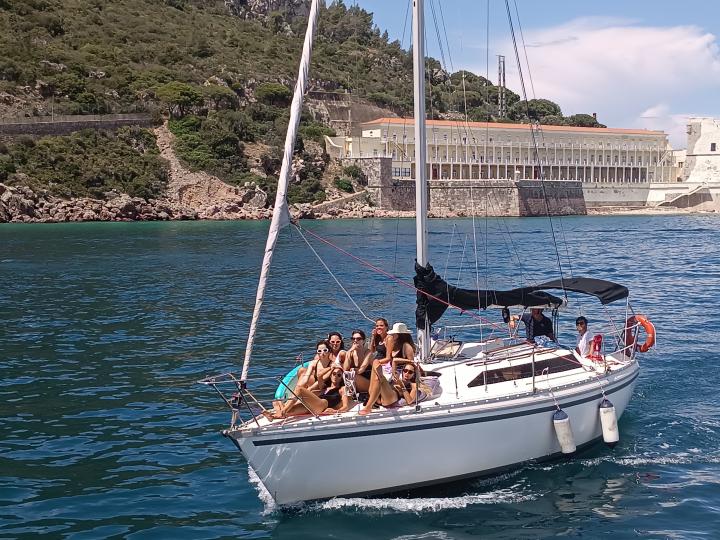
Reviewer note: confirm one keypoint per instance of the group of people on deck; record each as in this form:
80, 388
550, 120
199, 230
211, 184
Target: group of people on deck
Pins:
383, 369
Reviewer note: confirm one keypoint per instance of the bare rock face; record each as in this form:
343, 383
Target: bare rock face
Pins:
208, 196
261, 9
23, 205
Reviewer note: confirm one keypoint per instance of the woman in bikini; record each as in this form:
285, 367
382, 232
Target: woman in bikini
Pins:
330, 400
337, 346
398, 392
358, 359
399, 349
317, 370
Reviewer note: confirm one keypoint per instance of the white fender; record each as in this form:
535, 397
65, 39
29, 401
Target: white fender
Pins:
563, 431
608, 419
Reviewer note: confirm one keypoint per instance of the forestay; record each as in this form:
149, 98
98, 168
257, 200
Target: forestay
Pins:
281, 214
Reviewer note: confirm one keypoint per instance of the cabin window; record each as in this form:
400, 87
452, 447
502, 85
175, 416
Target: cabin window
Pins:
713, 147
524, 371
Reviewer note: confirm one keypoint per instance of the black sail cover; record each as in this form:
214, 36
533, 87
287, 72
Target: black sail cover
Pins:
434, 295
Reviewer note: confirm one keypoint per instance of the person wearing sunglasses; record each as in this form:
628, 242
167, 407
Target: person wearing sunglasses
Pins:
318, 370
398, 392
332, 399
337, 348
359, 360
583, 339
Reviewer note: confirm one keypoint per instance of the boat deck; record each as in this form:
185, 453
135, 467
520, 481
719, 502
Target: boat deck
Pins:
482, 374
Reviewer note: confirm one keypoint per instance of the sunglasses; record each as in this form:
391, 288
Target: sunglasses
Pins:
323, 350
356, 338
335, 342
581, 324
337, 373
411, 371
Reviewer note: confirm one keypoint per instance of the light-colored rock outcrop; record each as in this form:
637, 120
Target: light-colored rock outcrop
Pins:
20, 204
207, 195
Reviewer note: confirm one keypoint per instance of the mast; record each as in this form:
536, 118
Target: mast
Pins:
421, 202
281, 214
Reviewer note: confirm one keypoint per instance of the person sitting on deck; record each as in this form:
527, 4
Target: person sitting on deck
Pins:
337, 348
331, 399
536, 324
584, 340
377, 339
359, 361
399, 349
318, 370
397, 392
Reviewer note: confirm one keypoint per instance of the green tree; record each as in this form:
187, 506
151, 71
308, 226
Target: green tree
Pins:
534, 109
274, 94
220, 96
179, 97
583, 120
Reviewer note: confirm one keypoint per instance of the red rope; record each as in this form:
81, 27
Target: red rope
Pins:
396, 279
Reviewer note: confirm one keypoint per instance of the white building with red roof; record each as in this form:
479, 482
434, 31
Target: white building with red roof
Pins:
459, 150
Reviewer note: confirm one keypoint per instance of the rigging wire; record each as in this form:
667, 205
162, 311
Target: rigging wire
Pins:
462, 261
332, 275
402, 152
447, 260
540, 130
535, 147
392, 277
477, 271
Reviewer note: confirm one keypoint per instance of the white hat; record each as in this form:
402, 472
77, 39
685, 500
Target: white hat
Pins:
399, 328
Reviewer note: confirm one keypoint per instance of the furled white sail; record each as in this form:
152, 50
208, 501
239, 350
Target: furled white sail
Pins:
281, 214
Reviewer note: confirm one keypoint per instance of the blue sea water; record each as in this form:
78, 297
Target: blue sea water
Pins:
106, 327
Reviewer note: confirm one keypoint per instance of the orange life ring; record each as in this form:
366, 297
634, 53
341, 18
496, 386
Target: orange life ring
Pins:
630, 334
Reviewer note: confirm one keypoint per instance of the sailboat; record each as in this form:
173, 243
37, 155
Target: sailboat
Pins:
505, 401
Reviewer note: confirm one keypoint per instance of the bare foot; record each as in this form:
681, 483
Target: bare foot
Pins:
364, 412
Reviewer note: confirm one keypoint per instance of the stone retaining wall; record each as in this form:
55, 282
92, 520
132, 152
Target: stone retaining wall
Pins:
62, 125
338, 204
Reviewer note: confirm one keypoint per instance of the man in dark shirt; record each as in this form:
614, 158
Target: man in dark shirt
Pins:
536, 324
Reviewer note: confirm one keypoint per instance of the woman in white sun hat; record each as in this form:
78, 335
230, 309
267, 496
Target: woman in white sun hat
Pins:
399, 349
386, 386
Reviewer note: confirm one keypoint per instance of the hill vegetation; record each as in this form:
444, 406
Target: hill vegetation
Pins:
224, 81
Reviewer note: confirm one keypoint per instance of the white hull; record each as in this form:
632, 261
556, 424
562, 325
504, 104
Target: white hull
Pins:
392, 450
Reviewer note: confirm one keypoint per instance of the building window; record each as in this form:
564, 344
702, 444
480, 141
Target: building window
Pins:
713, 147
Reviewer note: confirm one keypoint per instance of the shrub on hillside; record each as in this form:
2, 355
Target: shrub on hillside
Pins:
89, 164
343, 184
356, 173
274, 94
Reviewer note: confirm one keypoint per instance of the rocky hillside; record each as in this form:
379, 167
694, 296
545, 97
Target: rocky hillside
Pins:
222, 72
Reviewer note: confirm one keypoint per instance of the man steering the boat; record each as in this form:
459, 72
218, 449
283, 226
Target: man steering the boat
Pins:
536, 324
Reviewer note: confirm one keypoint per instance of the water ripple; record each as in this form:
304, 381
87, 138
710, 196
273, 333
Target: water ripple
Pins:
103, 431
